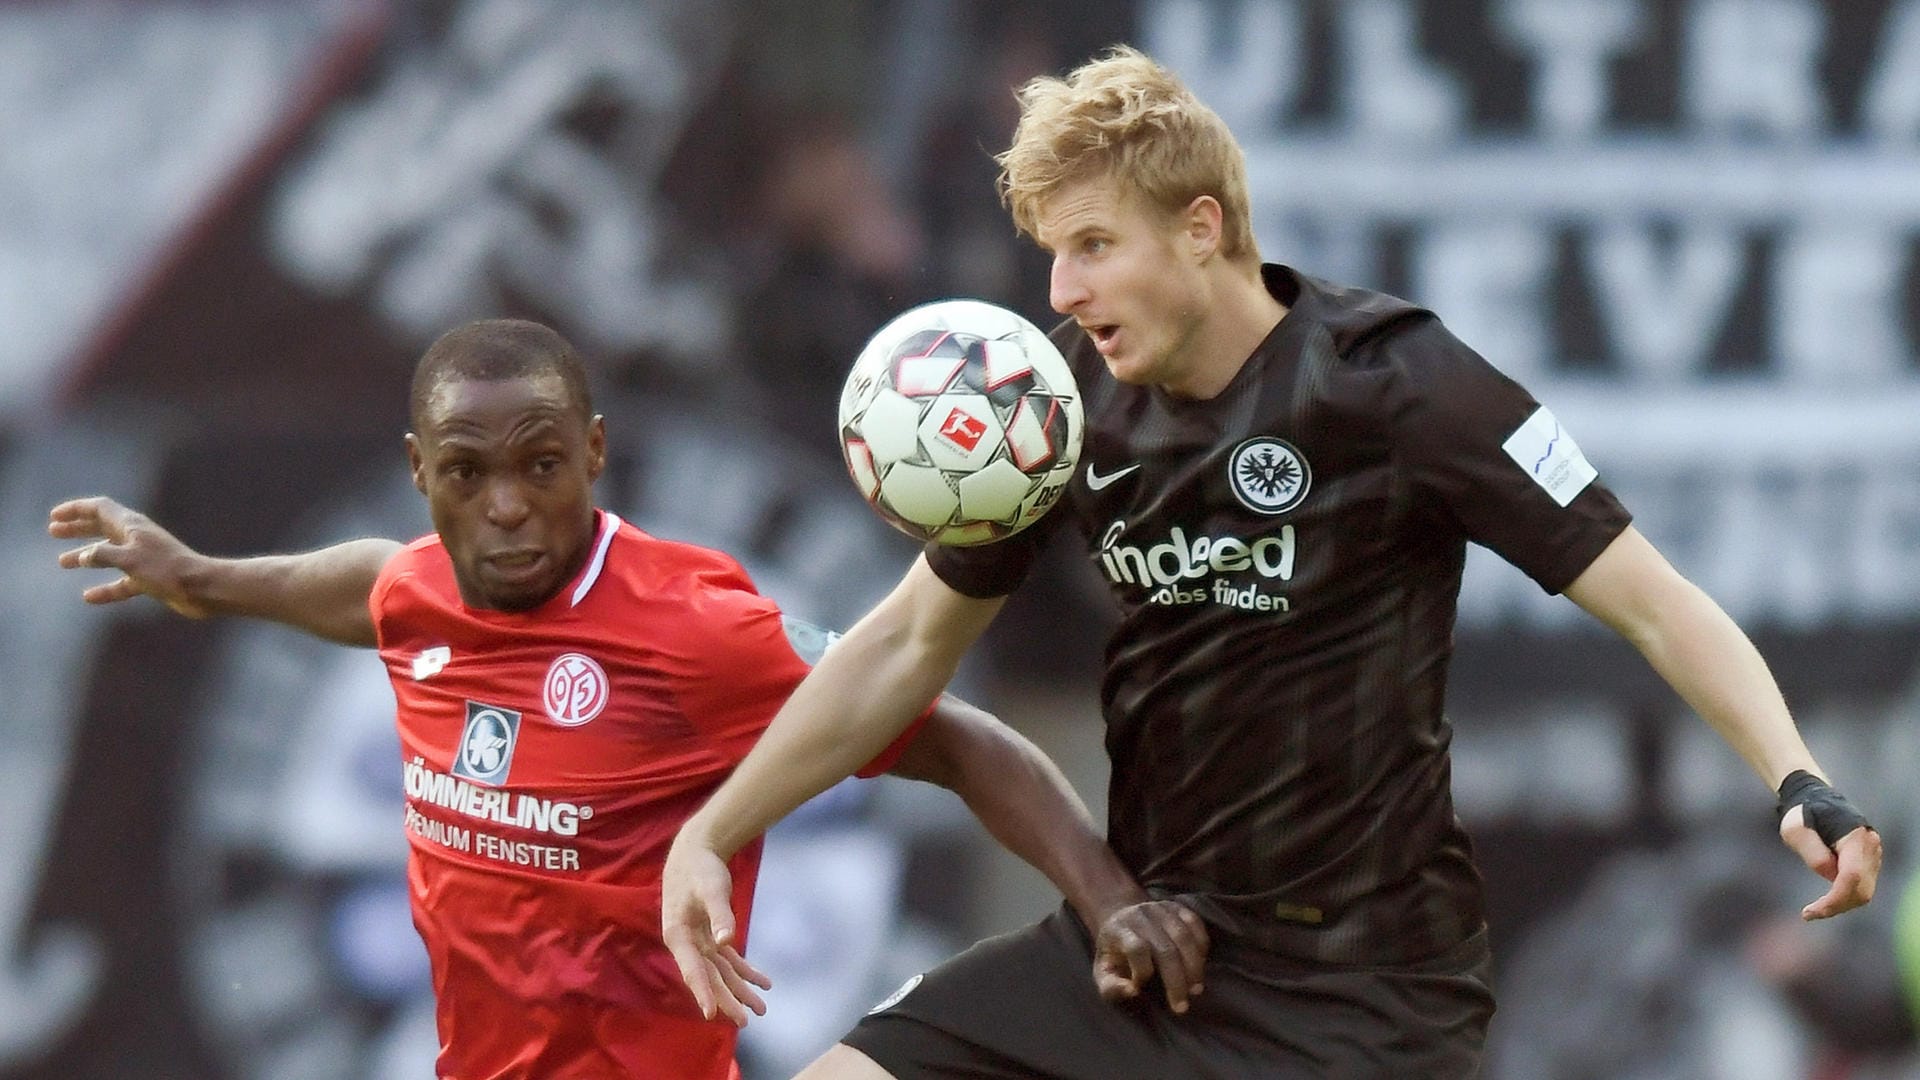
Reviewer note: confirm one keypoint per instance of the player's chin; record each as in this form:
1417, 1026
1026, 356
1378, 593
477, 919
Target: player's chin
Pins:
515, 593
1124, 368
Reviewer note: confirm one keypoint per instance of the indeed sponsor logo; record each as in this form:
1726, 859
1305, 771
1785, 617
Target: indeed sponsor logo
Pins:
1178, 558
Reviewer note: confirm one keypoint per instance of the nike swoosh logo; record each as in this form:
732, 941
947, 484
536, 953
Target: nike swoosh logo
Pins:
1095, 481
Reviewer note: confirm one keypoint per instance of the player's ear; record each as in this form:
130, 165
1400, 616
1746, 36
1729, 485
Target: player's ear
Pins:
1202, 222
596, 446
416, 463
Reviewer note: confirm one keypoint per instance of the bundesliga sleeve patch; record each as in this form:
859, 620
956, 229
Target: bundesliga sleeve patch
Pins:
1548, 453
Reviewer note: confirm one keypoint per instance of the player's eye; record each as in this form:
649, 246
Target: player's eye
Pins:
546, 465
458, 470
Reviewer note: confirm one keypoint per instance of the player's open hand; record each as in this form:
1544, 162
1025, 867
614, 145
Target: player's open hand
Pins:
1154, 936
696, 918
1852, 864
150, 560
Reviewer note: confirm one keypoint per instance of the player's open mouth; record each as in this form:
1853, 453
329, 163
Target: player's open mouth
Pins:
1103, 337
519, 564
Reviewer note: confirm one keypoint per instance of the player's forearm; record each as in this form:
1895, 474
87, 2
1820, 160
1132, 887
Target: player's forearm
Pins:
860, 697
321, 592
1025, 802
1715, 668
1692, 643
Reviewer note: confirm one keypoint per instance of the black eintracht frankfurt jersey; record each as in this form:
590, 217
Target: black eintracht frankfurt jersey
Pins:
1287, 560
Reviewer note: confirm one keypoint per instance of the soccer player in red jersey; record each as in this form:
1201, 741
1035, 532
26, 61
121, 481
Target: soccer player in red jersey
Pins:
570, 689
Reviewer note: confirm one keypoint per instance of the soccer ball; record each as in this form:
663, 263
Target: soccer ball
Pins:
960, 422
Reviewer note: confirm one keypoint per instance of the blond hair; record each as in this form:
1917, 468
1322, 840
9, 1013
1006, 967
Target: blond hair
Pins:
1124, 117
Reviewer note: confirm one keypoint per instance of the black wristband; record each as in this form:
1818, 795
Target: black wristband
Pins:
1827, 812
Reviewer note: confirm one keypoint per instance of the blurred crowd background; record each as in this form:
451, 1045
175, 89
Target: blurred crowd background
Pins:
228, 228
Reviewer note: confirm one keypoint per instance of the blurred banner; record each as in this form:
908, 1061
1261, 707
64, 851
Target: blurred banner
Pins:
227, 229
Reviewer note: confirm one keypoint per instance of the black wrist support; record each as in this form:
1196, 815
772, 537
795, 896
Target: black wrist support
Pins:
1828, 812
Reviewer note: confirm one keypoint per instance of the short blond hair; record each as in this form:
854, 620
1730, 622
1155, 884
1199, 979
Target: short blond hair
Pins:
1124, 117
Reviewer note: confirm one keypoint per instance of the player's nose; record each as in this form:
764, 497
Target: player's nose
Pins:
1065, 288
507, 506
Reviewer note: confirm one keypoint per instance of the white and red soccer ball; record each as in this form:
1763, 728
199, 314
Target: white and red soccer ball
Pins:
960, 422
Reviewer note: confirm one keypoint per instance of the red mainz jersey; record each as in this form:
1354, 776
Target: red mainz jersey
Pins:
549, 758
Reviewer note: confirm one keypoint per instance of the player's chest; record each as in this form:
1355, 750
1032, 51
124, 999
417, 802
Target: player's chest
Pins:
1246, 503
1256, 457
557, 713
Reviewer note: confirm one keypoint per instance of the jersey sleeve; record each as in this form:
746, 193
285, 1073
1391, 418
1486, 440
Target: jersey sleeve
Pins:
380, 597
1497, 462
753, 669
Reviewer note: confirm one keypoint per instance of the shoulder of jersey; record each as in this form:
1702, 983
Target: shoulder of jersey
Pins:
420, 572
424, 554
648, 562
1354, 315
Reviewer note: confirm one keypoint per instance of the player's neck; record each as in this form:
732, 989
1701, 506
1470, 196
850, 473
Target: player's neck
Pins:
1241, 315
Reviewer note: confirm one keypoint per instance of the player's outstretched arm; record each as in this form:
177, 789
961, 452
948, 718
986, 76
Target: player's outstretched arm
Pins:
322, 592
1023, 800
857, 700
1692, 643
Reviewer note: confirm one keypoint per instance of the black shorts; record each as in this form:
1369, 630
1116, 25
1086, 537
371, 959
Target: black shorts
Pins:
1023, 1006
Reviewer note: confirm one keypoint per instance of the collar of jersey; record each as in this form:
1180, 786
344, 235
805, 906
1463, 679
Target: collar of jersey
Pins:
1281, 344
590, 573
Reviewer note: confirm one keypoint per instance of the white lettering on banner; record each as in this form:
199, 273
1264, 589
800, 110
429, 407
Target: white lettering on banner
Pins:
1842, 280
1665, 301
1250, 87
439, 189
1572, 55
1799, 544
1725, 246
1753, 65
1489, 281
1890, 102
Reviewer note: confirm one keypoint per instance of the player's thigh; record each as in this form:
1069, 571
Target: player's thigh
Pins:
843, 1063
1427, 1019
1015, 1007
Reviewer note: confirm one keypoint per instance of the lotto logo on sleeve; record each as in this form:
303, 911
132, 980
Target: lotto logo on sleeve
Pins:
486, 745
1549, 455
576, 689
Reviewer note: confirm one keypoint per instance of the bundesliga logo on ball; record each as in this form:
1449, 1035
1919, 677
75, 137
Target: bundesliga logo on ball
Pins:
960, 422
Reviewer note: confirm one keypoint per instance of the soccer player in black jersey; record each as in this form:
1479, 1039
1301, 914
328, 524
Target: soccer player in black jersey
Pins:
1279, 481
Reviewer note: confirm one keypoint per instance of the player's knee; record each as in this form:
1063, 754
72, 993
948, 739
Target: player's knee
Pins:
843, 1063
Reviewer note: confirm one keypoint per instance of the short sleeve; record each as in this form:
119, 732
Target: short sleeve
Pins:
380, 602
1494, 460
739, 667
